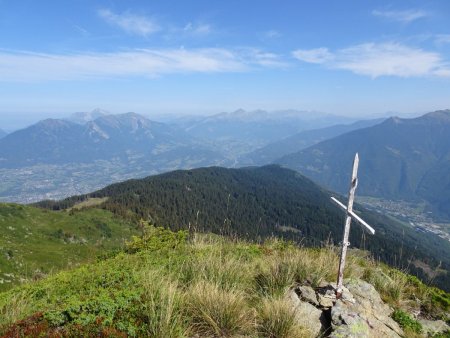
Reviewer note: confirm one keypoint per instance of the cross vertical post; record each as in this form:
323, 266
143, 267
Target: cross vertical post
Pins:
348, 220
349, 215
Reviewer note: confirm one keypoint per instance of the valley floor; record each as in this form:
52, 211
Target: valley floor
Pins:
412, 214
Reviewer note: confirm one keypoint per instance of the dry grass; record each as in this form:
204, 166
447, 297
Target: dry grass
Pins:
215, 312
14, 310
392, 287
163, 308
276, 319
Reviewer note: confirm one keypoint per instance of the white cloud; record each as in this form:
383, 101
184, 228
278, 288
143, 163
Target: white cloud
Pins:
25, 66
383, 59
197, 29
272, 34
262, 58
318, 55
129, 22
405, 16
442, 39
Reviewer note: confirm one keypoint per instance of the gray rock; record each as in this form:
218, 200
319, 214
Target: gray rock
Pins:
367, 316
431, 327
325, 301
306, 315
308, 294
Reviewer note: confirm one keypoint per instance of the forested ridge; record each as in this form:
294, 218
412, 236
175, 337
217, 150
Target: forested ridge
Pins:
259, 202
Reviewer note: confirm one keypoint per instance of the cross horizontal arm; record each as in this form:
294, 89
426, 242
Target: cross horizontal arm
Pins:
355, 216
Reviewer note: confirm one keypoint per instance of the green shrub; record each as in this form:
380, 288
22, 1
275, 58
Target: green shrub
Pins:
406, 322
156, 238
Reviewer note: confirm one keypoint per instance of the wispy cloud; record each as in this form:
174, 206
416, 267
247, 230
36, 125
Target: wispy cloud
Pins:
272, 34
382, 59
405, 16
129, 22
197, 29
318, 55
34, 67
262, 58
442, 39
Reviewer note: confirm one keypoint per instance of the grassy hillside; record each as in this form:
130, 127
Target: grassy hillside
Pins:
256, 203
35, 242
167, 284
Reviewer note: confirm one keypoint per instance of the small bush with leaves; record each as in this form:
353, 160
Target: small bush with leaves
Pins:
406, 322
156, 238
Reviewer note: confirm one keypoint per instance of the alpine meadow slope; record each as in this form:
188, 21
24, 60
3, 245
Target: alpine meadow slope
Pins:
260, 202
36, 242
405, 159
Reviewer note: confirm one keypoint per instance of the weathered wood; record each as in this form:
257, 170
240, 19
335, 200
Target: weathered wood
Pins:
348, 219
355, 217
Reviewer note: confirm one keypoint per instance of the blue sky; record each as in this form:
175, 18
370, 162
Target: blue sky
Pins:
155, 57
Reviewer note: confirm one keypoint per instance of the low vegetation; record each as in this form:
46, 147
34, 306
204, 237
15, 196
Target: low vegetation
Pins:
36, 242
172, 284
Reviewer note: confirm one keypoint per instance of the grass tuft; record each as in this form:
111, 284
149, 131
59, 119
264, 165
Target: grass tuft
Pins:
216, 312
276, 319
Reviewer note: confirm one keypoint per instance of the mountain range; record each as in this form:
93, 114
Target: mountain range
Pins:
2, 133
56, 158
406, 159
243, 131
301, 140
127, 136
260, 202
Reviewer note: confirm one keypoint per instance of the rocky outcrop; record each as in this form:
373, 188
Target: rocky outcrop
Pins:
360, 312
366, 316
433, 327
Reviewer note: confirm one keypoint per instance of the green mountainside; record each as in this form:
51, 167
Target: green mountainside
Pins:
256, 203
406, 159
170, 285
35, 242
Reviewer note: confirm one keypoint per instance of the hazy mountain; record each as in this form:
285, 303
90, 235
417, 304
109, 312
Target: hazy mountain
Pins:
242, 131
400, 159
257, 203
58, 158
127, 136
300, 141
2, 133
84, 117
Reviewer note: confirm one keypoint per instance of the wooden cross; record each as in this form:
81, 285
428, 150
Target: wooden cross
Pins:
348, 218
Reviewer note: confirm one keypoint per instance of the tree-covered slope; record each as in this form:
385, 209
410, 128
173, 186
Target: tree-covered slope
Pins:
257, 203
34, 242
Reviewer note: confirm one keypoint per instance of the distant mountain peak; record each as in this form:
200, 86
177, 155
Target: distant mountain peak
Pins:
442, 115
53, 123
85, 117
